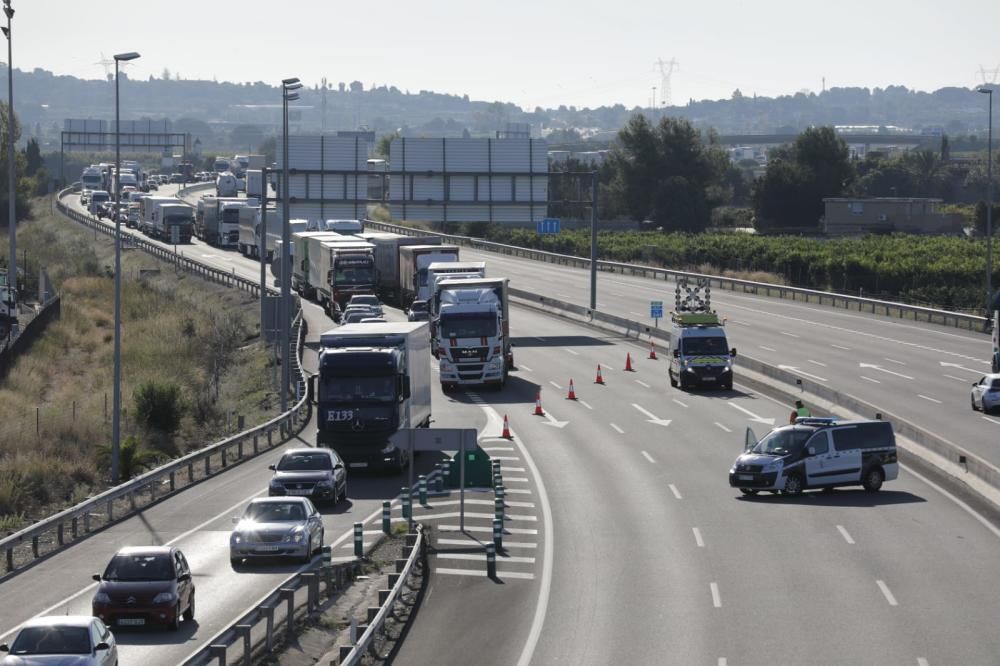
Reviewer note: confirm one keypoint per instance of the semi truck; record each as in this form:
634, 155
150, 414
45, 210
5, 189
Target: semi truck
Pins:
92, 178
217, 220
250, 230
226, 185
387, 260
147, 204
255, 183
450, 270
373, 380
167, 216
413, 263
274, 231
472, 332
345, 268
306, 250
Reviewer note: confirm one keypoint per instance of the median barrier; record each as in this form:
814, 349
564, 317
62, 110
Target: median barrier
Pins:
927, 441
49, 535
892, 309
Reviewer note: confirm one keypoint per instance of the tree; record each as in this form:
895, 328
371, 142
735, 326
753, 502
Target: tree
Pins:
926, 168
665, 173
133, 458
384, 141
22, 193
357, 86
33, 158
166, 74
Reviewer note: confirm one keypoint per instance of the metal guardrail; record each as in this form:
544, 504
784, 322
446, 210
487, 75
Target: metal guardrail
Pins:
64, 528
954, 453
859, 303
258, 628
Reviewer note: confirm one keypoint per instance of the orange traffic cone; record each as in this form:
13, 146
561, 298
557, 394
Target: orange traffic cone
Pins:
628, 363
538, 404
572, 391
506, 429
600, 379
652, 349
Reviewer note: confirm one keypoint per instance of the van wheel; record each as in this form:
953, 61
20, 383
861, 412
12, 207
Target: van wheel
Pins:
873, 479
793, 486
749, 491
673, 382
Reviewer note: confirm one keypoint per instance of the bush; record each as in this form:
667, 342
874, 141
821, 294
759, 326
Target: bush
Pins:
158, 406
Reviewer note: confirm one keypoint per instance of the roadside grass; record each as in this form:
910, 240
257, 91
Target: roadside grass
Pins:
56, 400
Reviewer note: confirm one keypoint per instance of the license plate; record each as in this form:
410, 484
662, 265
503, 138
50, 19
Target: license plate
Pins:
745, 477
268, 549
358, 464
299, 492
131, 621
708, 379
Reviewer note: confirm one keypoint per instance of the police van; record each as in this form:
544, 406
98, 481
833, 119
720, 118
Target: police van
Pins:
817, 453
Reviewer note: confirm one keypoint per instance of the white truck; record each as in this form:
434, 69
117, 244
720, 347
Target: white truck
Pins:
255, 183
472, 332
413, 263
373, 379
168, 216
91, 179
345, 268
387, 260
274, 231
226, 185
306, 250
346, 227
147, 205
217, 220
450, 270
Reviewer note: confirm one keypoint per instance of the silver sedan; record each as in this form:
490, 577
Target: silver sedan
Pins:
277, 527
986, 393
62, 639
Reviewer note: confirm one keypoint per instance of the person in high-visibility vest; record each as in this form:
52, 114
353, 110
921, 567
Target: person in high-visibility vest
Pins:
800, 410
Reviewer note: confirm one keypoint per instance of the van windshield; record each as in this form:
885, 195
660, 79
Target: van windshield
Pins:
783, 441
704, 346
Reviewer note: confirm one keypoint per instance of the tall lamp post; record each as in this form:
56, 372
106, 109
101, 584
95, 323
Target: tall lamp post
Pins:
989, 199
117, 380
11, 163
288, 94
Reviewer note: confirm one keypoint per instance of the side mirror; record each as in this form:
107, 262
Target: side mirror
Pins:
732, 352
406, 388
311, 388
811, 450
339, 466
97, 577
184, 577
235, 520
99, 647
271, 467
4, 647
677, 353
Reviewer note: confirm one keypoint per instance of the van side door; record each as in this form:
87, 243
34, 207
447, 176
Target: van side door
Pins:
819, 466
847, 446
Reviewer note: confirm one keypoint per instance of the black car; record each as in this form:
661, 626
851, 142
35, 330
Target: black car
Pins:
310, 472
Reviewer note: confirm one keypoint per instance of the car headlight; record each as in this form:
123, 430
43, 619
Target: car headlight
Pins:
102, 598
325, 483
236, 537
165, 598
275, 484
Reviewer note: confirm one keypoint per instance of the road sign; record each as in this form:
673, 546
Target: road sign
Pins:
549, 225
656, 309
441, 439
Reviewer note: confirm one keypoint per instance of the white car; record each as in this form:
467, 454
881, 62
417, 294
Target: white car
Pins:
277, 527
986, 393
367, 300
80, 640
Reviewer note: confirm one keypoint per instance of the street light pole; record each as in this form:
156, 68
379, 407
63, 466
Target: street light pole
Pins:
287, 95
593, 240
11, 162
989, 200
117, 379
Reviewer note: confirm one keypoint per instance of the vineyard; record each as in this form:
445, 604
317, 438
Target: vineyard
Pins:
943, 272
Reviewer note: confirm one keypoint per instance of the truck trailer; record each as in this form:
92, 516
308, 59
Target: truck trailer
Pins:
413, 263
373, 380
387, 247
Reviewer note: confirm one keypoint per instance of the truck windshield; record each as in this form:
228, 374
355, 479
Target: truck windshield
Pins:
354, 275
231, 216
703, 346
352, 389
177, 219
783, 441
468, 326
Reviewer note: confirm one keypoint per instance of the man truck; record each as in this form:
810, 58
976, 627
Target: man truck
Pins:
373, 379
472, 332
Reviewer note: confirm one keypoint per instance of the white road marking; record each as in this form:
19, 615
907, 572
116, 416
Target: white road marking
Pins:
471, 542
843, 533
637, 314
965, 507
607, 367
680, 403
873, 381
840, 347
584, 404
556, 385
619, 430
524, 367
722, 661
887, 593
957, 379
436, 503
485, 530
649, 457
570, 351
928, 398
922, 662
881, 369
770, 349
697, 537
892, 360
986, 418
515, 479
497, 448
723, 427
652, 417
716, 599
822, 365
802, 372
481, 557
674, 490
791, 335
481, 573
481, 516
642, 383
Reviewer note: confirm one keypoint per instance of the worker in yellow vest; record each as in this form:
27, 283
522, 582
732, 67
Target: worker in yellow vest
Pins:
800, 410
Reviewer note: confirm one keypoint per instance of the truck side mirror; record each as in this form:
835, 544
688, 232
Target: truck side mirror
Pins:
406, 388
311, 388
677, 353
732, 352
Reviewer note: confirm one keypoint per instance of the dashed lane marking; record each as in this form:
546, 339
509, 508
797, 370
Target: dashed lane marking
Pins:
617, 429
869, 379
680, 403
892, 360
770, 349
497, 448
822, 365
887, 593
697, 537
986, 418
649, 457
525, 368
843, 533
841, 347
791, 335
716, 599
723, 427
642, 383
574, 353
556, 385
928, 398
674, 490
957, 379
584, 404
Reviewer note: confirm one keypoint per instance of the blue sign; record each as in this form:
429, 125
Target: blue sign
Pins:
549, 225
656, 309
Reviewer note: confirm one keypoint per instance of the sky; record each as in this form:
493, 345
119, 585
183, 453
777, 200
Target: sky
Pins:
530, 52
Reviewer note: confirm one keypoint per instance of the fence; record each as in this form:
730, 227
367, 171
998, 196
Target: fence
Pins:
56, 532
858, 303
9, 350
300, 596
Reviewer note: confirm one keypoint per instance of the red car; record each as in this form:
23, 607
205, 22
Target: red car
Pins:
145, 585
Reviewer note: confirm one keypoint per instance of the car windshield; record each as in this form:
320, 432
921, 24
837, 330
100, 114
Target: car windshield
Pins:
996, 383
702, 346
275, 512
783, 441
364, 300
468, 326
354, 317
52, 640
140, 567
296, 462
352, 389
418, 306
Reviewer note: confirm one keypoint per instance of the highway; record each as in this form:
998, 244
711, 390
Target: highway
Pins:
643, 554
